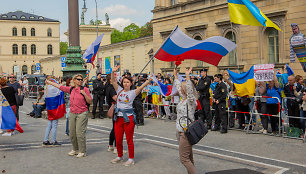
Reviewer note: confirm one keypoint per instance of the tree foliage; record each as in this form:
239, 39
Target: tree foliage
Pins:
63, 47
131, 32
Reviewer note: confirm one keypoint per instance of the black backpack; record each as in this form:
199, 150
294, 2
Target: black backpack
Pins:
82, 87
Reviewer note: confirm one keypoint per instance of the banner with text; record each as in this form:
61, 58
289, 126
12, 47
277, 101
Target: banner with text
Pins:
264, 72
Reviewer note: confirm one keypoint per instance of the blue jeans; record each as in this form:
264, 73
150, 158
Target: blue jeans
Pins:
67, 120
37, 110
52, 127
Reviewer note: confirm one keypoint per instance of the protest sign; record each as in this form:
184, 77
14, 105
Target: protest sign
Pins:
108, 68
264, 72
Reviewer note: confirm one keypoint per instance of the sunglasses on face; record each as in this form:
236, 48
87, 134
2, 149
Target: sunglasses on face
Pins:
12, 77
79, 79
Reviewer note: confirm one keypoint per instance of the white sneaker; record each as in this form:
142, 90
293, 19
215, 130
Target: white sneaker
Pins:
265, 132
7, 134
80, 155
72, 153
115, 151
110, 149
129, 162
116, 160
1, 131
261, 130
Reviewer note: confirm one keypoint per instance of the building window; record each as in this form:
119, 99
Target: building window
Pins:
15, 49
22, 17
49, 49
33, 69
33, 49
24, 69
49, 32
24, 32
14, 17
232, 59
24, 49
273, 45
14, 31
173, 2
32, 31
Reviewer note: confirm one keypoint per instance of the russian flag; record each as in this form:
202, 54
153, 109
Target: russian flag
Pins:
8, 119
55, 103
167, 90
91, 52
178, 46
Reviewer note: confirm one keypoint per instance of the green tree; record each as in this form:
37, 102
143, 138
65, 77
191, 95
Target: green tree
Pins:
116, 36
146, 30
63, 47
93, 22
133, 29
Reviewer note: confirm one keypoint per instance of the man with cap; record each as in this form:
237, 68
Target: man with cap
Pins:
203, 88
98, 96
219, 100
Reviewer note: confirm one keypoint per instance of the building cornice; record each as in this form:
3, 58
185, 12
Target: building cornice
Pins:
51, 58
142, 39
197, 27
30, 22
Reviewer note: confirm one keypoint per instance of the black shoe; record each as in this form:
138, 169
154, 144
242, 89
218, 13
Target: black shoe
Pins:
223, 131
55, 144
216, 128
46, 143
141, 124
36, 116
93, 117
101, 117
32, 114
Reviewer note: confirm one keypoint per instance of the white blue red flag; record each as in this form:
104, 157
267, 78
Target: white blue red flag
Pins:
8, 119
178, 47
55, 103
90, 54
167, 90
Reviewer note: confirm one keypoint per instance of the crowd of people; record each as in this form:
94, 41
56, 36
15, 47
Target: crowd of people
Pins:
203, 97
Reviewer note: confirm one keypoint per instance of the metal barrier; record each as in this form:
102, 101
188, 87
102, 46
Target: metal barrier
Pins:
33, 91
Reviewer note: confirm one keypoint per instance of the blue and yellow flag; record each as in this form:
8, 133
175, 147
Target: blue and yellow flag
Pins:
244, 82
246, 13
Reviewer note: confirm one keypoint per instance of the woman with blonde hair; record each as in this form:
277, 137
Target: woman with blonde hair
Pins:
188, 104
78, 116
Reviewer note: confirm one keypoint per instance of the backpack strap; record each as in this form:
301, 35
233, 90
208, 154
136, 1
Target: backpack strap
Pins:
71, 89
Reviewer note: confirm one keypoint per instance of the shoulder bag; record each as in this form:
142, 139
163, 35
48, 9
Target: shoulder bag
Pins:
111, 110
195, 131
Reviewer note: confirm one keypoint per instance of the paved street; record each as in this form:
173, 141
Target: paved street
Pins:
155, 151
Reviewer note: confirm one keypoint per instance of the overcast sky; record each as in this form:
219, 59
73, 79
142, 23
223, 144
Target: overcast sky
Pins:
121, 12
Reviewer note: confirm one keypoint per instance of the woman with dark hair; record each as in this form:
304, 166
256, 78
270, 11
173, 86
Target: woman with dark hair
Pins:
124, 117
110, 95
9, 94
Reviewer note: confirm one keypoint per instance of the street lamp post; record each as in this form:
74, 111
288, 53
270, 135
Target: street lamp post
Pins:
98, 65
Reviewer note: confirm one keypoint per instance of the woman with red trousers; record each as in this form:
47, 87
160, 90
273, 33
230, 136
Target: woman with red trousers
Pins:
125, 117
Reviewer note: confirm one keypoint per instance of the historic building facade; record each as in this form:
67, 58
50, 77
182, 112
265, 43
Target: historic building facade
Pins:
25, 39
201, 19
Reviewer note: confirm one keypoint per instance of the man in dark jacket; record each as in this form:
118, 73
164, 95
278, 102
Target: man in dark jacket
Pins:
98, 96
203, 88
292, 105
137, 104
219, 100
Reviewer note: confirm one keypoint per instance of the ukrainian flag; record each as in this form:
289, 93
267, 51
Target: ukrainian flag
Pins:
246, 13
244, 82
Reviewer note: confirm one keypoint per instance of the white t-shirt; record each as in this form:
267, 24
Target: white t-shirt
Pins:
125, 99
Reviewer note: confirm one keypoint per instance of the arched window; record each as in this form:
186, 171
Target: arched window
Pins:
32, 31
49, 49
49, 32
24, 69
15, 49
33, 69
24, 49
198, 38
14, 31
24, 32
273, 45
33, 49
232, 59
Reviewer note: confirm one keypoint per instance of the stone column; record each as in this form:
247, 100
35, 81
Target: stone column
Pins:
74, 61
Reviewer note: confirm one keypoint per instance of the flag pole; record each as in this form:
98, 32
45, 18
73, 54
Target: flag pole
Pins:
236, 47
152, 57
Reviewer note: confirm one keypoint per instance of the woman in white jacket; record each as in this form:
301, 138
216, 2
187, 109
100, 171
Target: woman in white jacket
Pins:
189, 97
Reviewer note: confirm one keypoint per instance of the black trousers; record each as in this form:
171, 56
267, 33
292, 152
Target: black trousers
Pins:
112, 138
221, 116
241, 116
138, 109
262, 108
273, 109
98, 99
205, 104
293, 110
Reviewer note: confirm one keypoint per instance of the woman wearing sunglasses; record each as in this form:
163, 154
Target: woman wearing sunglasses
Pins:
78, 116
